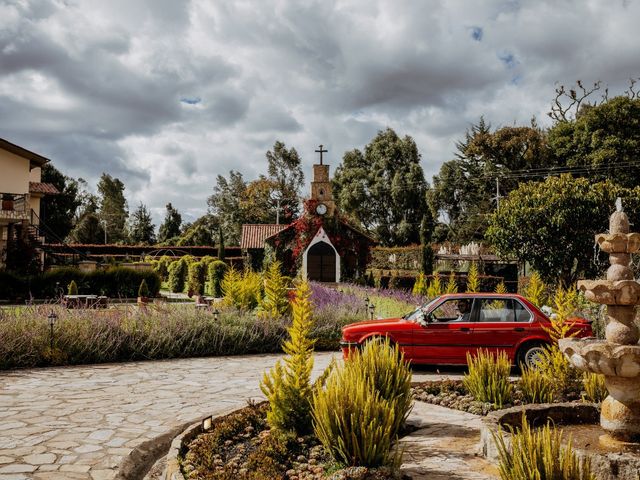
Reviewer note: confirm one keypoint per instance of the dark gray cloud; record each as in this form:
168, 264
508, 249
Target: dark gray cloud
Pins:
166, 95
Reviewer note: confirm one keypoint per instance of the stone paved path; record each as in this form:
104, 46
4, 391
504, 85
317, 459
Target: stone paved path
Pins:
445, 447
79, 422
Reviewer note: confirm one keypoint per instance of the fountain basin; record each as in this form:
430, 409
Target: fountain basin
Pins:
607, 292
610, 459
618, 242
598, 356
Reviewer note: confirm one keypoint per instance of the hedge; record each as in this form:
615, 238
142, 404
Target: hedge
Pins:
115, 282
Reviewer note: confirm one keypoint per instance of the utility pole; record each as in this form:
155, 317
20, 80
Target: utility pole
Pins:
278, 211
497, 193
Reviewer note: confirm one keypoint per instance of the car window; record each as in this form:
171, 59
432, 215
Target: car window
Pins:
454, 310
502, 310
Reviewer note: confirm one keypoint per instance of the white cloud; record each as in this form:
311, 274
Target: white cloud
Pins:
112, 86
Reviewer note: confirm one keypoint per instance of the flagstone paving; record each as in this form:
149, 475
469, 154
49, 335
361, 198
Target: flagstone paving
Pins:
80, 422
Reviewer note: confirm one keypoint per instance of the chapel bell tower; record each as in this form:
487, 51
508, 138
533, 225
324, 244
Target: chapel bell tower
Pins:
321, 188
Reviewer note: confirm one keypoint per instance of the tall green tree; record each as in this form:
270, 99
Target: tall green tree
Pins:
285, 174
57, 212
552, 224
141, 227
170, 227
201, 232
604, 138
464, 191
87, 228
383, 188
113, 210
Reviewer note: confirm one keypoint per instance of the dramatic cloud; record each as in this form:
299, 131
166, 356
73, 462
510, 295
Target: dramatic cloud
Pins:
167, 95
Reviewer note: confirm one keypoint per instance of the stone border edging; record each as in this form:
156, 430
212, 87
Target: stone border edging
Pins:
606, 466
187, 433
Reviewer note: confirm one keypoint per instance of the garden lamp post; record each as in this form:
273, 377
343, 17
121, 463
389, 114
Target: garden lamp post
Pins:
366, 304
52, 321
216, 312
372, 308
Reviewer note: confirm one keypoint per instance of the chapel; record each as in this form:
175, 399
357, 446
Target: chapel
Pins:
321, 244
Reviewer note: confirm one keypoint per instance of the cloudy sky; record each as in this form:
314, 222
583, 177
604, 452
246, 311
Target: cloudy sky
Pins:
167, 94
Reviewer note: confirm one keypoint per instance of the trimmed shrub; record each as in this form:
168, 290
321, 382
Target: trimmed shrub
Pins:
161, 266
535, 386
72, 288
177, 275
539, 455
357, 415
435, 286
288, 387
216, 271
488, 377
196, 278
452, 285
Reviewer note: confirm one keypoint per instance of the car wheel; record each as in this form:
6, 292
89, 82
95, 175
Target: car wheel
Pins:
529, 355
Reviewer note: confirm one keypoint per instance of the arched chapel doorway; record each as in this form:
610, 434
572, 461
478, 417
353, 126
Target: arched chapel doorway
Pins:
321, 263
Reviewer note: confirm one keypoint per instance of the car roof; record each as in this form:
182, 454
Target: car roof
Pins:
480, 294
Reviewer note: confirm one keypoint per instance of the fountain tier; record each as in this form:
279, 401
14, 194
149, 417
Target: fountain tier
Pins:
617, 357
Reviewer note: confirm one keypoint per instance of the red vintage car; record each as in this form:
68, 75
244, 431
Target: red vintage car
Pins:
443, 331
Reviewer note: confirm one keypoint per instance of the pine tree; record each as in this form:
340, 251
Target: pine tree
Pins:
275, 302
501, 287
473, 279
141, 228
452, 286
288, 387
170, 227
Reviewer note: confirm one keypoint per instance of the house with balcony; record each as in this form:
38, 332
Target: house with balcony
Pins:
21, 191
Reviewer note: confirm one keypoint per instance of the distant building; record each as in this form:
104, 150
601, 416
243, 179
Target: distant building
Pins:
321, 244
20, 192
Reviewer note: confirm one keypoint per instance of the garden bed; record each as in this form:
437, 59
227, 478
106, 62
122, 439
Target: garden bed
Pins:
453, 394
241, 446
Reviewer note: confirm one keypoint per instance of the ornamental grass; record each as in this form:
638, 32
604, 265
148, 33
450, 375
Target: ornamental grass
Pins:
358, 414
539, 455
488, 378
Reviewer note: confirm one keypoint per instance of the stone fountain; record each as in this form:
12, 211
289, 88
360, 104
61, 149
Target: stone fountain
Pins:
617, 357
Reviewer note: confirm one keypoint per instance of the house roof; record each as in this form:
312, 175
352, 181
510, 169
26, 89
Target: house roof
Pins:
43, 188
254, 235
35, 159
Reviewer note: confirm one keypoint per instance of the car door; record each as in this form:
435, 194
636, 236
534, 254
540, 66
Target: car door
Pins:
502, 323
446, 338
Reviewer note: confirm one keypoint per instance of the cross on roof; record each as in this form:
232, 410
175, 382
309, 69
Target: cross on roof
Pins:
321, 151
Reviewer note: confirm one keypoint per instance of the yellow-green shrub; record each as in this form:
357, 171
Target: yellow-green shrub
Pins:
473, 278
452, 286
357, 415
72, 288
535, 290
594, 387
558, 372
275, 302
419, 286
535, 386
435, 286
288, 387
241, 290
488, 377
539, 455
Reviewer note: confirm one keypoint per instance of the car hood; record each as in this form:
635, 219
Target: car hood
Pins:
378, 323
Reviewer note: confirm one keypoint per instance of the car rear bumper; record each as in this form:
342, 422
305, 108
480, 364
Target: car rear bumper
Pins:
347, 347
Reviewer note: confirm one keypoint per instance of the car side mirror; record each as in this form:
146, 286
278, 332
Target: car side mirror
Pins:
424, 318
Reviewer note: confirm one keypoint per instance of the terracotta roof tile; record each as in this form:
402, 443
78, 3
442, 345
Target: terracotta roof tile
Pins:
44, 188
254, 235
